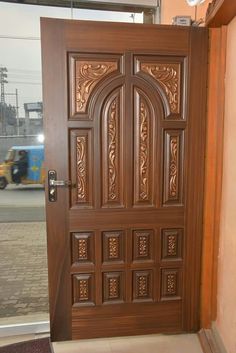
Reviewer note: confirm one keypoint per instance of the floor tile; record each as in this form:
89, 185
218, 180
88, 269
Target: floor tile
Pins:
188, 343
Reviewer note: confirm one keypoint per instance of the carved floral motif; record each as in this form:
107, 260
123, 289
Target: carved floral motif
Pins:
168, 75
88, 75
83, 290
113, 288
142, 286
81, 168
143, 152
113, 247
171, 284
83, 249
171, 245
173, 166
143, 245
112, 152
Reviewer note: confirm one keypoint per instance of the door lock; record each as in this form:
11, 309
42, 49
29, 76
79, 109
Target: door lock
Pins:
53, 183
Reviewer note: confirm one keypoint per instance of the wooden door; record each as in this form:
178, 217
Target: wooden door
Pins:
124, 109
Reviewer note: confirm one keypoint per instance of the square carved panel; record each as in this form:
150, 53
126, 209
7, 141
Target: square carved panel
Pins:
113, 246
113, 287
83, 289
86, 73
142, 285
172, 241
171, 284
83, 247
142, 245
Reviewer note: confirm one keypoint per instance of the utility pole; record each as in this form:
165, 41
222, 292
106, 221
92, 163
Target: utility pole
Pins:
3, 76
17, 114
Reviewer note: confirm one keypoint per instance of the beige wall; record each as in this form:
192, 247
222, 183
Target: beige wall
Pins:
172, 8
226, 320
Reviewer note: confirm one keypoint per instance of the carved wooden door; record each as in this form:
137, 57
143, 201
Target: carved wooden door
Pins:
124, 122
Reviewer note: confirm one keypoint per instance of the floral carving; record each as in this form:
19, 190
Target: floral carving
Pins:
143, 152
143, 245
113, 247
142, 286
173, 166
81, 168
112, 152
168, 76
171, 245
88, 75
113, 288
171, 284
83, 250
83, 290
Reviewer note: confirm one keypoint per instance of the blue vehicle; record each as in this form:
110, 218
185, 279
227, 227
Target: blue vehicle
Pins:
33, 172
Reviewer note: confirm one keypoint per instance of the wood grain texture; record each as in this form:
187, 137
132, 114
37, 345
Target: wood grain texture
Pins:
195, 185
142, 319
56, 158
213, 174
111, 224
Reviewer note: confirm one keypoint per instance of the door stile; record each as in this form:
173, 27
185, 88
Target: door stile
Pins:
56, 153
195, 182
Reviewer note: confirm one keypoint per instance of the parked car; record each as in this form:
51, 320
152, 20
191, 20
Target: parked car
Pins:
23, 165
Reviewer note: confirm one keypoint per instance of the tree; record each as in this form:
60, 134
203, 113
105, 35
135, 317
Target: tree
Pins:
8, 114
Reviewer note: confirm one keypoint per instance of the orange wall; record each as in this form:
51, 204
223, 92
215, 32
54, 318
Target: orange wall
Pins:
226, 316
172, 8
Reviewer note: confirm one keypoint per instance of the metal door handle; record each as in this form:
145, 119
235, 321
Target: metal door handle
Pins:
65, 183
53, 183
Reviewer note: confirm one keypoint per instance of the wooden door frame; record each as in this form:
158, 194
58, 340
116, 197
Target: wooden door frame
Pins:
219, 15
213, 174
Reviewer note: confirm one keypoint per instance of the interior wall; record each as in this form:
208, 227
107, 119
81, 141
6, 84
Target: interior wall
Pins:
226, 318
172, 8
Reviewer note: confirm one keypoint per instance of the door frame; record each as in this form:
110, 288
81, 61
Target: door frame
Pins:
219, 15
213, 174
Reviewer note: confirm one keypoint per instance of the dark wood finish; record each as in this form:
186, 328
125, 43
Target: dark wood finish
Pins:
213, 174
220, 13
195, 168
59, 246
129, 319
132, 116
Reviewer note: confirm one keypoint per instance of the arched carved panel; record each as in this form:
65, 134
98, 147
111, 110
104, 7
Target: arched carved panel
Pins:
143, 149
112, 158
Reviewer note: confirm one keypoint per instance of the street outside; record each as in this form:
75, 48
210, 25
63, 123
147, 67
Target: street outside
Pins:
22, 203
23, 252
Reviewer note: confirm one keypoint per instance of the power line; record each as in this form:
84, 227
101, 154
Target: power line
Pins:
18, 37
23, 70
26, 83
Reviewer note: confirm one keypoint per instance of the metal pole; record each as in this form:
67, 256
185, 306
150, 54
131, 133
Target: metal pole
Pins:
3, 75
17, 114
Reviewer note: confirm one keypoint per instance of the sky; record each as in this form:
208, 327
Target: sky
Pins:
22, 56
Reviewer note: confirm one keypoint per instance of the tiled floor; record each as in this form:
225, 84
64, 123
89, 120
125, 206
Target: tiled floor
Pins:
138, 344
23, 263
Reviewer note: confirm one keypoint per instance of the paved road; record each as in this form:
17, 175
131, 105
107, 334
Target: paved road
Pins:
22, 204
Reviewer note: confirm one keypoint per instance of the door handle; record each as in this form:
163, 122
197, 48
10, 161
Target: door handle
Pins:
53, 183
65, 183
